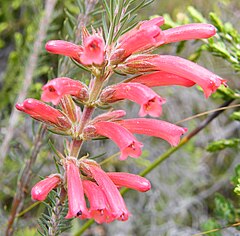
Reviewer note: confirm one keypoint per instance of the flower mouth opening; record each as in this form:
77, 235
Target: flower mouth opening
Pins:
51, 89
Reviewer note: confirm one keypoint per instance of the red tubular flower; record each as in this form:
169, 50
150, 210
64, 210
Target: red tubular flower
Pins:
151, 103
162, 78
132, 181
127, 143
99, 209
93, 50
145, 36
189, 31
40, 190
158, 128
207, 80
76, 200
64, 48
55, 89
113, 197
42, 112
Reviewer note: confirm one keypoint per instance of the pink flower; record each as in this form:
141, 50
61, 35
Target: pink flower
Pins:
189, 31
132, 181
42, 112
93, 50
162, 78
157, 128
127, 143
150, 102
64, 48
44, 187
115, 201
207, 80
76, 200
55, 89
145, 36
99, 209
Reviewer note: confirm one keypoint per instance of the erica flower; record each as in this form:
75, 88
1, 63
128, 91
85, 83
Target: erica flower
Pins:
42, 112
157, 128
64, 48
151, 103
93, 50
207, 80
44, 187
99, 207
132, 181
55, 89
128, 144
76, 201
113, 197
162, 78
143, 37
189, 31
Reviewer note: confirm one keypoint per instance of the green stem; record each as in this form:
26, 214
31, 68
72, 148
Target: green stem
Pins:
84, 227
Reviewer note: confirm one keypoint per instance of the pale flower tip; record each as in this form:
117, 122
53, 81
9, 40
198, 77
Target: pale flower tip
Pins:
146, 186
50, 45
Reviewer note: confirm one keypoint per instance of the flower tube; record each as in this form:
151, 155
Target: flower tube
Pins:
128, 144
157, 128
55, 89
150, 102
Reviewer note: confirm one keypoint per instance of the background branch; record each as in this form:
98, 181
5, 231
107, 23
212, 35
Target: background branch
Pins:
28, 75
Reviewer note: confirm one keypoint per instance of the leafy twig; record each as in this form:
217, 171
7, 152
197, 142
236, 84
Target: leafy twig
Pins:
24, 181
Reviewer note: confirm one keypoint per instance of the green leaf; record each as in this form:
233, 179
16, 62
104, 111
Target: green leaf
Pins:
222, 144
235, 115
196, 15
216, 21
211, 224
224, 209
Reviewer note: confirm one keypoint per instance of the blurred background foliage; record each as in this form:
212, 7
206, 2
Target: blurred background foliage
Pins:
192, 191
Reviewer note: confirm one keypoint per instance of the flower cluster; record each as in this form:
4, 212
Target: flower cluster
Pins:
130, 54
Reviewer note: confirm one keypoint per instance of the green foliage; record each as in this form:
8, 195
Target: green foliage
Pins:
224, 209
222, 144
53, 221
211, 224
235, 115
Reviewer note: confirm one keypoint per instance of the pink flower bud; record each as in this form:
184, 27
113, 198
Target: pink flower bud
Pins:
132, 181
76, 201
64, 48
113, 197
150, 102
42, 112
162, 78
158, 128
189, 31
99, 209
127, 143
44, 187
55, 89
93, 50
109, 116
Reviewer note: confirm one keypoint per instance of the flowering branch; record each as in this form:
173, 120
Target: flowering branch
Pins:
168, 153
131, 54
